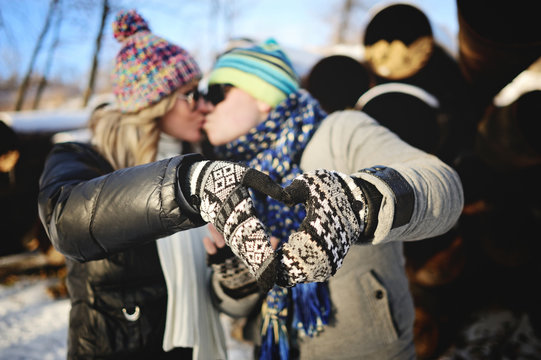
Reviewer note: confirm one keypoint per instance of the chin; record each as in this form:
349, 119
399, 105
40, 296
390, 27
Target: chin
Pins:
194, 138
218, 142
213, 140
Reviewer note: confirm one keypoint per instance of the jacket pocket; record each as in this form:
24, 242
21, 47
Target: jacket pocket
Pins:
377, 311
362, 316
128, 319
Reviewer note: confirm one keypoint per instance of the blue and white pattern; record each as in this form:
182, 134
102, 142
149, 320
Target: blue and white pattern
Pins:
275, 147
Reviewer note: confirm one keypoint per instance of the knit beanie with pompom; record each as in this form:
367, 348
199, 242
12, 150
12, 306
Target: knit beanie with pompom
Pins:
148, 68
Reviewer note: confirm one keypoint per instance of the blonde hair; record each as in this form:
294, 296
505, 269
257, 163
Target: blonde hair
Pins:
129, 139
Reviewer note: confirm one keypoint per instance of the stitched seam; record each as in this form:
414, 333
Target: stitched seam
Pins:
93, 216
160, 191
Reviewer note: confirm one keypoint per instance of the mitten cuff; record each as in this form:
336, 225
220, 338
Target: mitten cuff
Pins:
402, 190
233, 276
373, 201
232, 306
188, 204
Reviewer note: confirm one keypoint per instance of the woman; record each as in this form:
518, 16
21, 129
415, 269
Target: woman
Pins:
133, 297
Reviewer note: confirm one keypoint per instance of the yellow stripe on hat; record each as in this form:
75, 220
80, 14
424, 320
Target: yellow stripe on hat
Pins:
250, 83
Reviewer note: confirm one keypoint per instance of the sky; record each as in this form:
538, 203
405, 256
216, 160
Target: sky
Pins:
201, 26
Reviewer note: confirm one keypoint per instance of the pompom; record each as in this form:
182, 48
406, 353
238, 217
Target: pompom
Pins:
127, 23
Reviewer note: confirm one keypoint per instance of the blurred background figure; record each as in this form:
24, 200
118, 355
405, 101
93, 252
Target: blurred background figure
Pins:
408, 111
421, 95
499, 225
494, 49
337, 82
400, 47
14, 223
9, 154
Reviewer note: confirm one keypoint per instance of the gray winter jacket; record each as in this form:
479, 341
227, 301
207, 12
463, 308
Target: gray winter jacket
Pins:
373, 308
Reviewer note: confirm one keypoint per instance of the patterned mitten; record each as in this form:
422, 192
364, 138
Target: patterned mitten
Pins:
336, 217
232, 274
221, 191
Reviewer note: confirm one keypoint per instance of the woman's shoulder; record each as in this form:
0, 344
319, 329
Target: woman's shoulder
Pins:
73, 147
70, 153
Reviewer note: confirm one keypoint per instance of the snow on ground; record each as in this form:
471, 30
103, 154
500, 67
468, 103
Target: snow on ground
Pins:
33, 326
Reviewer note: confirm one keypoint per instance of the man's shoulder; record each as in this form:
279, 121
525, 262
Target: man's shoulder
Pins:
348, 118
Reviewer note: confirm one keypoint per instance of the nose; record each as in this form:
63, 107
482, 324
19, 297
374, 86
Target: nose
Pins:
204, 106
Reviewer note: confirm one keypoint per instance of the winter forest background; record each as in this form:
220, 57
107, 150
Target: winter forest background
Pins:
57, 53
56, 57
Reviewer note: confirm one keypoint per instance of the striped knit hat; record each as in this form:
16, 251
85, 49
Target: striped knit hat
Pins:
264, 71
148, 68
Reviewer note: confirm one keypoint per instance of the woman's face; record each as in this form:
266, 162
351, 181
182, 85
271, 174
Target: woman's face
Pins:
234, 116
185, 119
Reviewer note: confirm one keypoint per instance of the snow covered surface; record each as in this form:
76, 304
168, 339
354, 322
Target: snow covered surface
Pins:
66, 118
33, 326
45, 120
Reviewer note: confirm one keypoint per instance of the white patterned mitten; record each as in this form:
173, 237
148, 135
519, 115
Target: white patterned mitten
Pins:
231, 273
336, 216
221, 190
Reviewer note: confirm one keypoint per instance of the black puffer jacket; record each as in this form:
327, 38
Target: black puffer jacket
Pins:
105, 223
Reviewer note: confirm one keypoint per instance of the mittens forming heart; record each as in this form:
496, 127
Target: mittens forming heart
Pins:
336, 214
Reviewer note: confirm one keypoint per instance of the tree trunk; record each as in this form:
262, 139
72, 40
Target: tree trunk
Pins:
93, 71
24, 86
343, 24
54, 45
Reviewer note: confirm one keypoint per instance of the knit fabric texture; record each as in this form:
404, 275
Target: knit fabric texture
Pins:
148, 68
263, 71
228, 206
275, 147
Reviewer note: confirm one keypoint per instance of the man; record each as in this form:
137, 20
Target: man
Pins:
376, 191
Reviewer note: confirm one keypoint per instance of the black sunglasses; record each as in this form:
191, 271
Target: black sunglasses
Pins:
216, 93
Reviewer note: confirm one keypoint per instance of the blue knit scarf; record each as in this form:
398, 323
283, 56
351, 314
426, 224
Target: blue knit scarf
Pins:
275, 147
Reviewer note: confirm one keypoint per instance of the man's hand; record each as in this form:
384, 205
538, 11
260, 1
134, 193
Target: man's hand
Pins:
336, 214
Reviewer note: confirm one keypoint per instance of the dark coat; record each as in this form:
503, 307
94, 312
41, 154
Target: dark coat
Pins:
105, 223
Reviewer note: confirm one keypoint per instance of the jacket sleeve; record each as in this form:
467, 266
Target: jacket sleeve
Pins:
90, 211
422, 196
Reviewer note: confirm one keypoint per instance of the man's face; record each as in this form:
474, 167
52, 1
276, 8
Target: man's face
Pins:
232, 117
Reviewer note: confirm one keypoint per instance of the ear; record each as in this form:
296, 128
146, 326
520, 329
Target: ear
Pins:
263, 107
264, 110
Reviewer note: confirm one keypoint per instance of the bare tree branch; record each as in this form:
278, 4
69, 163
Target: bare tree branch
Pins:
50, 55
91, 81
343, 22
24, 86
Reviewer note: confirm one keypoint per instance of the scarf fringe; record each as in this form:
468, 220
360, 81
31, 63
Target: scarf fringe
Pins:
275, 339
311, 308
